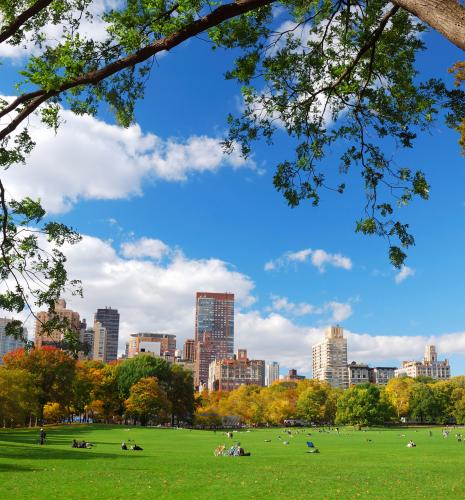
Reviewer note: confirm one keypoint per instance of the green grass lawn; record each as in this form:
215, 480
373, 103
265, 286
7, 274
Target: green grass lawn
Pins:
181, 464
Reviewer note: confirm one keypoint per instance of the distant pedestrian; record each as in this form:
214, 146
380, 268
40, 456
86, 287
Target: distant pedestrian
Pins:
42, 436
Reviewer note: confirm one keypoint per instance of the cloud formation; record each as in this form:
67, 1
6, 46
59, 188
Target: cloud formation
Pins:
403, 274
145, 247
318, 258
333, 311
108, 162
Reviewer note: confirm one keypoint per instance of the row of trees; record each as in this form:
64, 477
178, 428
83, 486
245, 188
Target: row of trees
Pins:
48, 384
402, 399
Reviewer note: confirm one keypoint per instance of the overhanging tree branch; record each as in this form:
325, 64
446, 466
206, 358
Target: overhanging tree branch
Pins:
19, 21
219, 15
445, 16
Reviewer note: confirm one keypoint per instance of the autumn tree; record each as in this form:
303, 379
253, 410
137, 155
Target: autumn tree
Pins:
52, 372
148, 401
398, 391
336, 75
18, 397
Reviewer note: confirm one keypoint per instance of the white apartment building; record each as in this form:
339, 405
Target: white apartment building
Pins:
429, 367
272, 373
329, 358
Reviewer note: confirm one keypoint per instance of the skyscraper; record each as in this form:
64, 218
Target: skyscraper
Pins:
109, 319
214, 313
329, 358
272, 372
214, 331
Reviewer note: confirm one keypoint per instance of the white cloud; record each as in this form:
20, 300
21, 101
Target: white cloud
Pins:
319, 258
283, 304
107, 162
338, 311
145, 247
403, 274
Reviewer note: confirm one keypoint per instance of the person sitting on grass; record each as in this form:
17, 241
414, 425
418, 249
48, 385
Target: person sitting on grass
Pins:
74, 444
136, 447
219, 450
411, 444
124, 446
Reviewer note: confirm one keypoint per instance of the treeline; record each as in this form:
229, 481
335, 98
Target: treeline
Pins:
47, 385
420, 400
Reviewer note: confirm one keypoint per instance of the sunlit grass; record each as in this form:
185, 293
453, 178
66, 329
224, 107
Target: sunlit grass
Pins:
180, 464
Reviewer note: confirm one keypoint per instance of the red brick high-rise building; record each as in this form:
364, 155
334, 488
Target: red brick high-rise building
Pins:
214, 331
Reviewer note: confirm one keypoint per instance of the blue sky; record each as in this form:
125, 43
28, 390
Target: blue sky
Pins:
154, 237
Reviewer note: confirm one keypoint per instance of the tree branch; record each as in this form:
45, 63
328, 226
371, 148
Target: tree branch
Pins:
222, 13
445, 16
11, 29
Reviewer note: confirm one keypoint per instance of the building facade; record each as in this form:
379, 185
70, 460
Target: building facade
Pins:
100, 342
214, 313
55, 337
229, 374
152, 343
205, 352
329, 358
272, 373
109, 319
381, 375
358, 373
7, 343
214, 331
293, 376
429, 367
189, 350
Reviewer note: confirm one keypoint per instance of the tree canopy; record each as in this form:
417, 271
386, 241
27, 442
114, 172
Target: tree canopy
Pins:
338, 74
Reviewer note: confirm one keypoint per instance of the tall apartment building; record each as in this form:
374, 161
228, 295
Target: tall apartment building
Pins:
189, 350
56, 336
272, 372
230, 374
152, 343
429, 367
7, 343
99, 350
329, 358
109, 319
214, 331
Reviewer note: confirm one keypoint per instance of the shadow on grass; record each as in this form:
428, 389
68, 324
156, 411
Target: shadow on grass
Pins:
55, 435
18, 452
17, 468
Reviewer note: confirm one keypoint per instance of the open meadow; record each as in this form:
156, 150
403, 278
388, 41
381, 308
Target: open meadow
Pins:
181, 464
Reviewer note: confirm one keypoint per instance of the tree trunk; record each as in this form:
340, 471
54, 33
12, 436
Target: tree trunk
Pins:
445, 16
